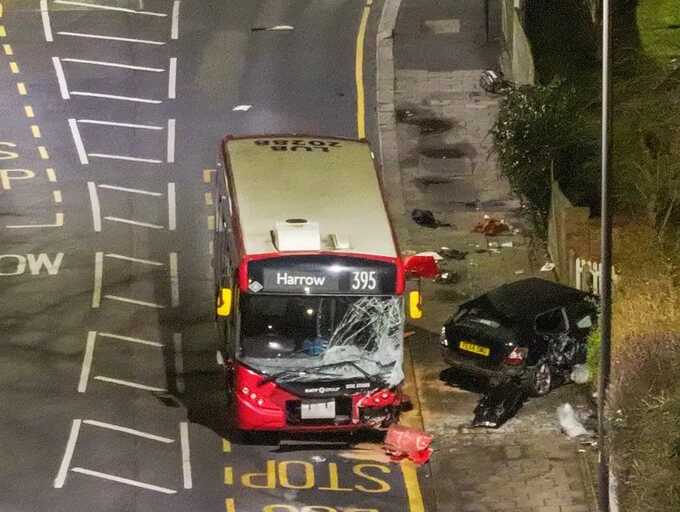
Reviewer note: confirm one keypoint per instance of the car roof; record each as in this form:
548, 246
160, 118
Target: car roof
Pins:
525, 299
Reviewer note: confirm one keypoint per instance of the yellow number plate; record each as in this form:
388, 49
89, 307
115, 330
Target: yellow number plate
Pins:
475, 349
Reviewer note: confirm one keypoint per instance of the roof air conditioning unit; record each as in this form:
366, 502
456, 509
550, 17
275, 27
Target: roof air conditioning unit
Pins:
297, 235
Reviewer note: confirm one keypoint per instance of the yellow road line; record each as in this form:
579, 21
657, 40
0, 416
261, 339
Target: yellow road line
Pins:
359, 74
35, 129
226, 446
208, 199
51, 175
8, 49
29, 111
1, 11
3, 32
207, 175
21, 87
415, 498
14, 67
211, 223
229, 505
43, 153
228, 476
57, 196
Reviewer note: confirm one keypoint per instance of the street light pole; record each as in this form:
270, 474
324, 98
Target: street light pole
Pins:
606, 264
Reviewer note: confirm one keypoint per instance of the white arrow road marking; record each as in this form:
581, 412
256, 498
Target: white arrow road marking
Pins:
131, 431
125, 481
68, 455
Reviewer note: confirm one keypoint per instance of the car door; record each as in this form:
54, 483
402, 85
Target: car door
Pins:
558, 344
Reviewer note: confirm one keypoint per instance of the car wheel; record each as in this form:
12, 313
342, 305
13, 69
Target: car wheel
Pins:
540, 378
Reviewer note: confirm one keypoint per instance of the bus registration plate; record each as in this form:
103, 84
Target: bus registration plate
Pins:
317, 409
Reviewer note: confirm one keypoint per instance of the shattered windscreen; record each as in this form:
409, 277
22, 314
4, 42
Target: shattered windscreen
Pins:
312, 338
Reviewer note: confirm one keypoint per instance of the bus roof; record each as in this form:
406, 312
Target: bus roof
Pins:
332, 182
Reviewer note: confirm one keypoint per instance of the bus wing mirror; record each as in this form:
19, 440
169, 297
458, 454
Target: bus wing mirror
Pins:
420, 266
224, 302
415, 305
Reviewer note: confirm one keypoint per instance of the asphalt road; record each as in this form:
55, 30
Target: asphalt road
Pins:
111, 114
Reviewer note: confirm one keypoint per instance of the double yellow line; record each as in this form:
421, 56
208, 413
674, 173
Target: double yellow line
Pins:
359, 71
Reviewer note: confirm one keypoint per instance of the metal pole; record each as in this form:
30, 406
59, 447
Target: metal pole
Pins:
606, 265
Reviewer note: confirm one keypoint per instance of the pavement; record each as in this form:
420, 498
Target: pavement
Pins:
437, 154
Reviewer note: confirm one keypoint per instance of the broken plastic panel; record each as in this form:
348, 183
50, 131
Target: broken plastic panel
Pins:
327, 338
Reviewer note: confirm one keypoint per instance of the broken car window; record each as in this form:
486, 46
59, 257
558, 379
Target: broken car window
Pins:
552, 322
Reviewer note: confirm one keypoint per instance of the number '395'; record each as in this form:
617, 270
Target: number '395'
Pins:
364, 280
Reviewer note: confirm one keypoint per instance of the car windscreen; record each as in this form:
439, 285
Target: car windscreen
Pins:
304, 338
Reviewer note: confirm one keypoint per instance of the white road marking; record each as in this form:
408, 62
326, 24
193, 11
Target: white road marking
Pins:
126, 158
114, 97
123, 125
98, 271
136, 302
131, 190
68, 455
242, 108
131, 431
174, 32
78, 141
45, 14
186, 454
58, 222
110, 8
134, 222
172, 207
125, 481
219, 358
170, 156
134, 260
113, 65
96, 209
174, 280
87, 361
130, 339
179, 362
129, 384
111, 38
61, 78
172, 78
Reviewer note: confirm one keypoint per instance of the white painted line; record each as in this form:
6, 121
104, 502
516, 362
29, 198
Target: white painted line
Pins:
113, 65
58, 222
96, 209
219, 358
126, 158
109, 8
131, 190
114, 97
78, 141
172, 78
134, 260
134, 222
111, 38
242, 108
124, 125
174, 280
87, 361
172, 207
129, 384
125, 481
130, 339
47, 28
61, 78
136, 302
170, 153
68, 455
186, 454
174, 32
179, 361
131, 431
98, 271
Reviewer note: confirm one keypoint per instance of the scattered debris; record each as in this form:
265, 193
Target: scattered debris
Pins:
431, 254
446, 278
318, 458
452, 254
519, 272
491, 226
548, 267
580, 374
408, 334
570, 424
426, 218
404, 442
507, 244
499, 403
274, 28
242, 108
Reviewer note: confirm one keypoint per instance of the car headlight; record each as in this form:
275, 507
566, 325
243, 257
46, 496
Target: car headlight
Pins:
442, 337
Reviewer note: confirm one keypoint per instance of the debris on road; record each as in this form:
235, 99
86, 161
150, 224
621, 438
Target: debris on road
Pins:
570, 424
499, 403
491, 226
404, 442
242, 108
447, 278
318, 458
519, 272
452, 254
580, 374
426, 219
548, 267
432, 254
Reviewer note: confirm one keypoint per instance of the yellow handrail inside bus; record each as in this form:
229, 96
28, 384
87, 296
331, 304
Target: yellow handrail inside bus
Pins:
224, 302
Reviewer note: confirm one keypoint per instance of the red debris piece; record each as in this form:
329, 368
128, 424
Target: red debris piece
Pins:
404, 442
491, 227
420, 266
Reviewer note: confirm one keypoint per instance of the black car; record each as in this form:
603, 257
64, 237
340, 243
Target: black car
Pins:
533, 331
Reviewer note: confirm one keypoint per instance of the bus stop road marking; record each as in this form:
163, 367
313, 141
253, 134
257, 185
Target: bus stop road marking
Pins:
126, 481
